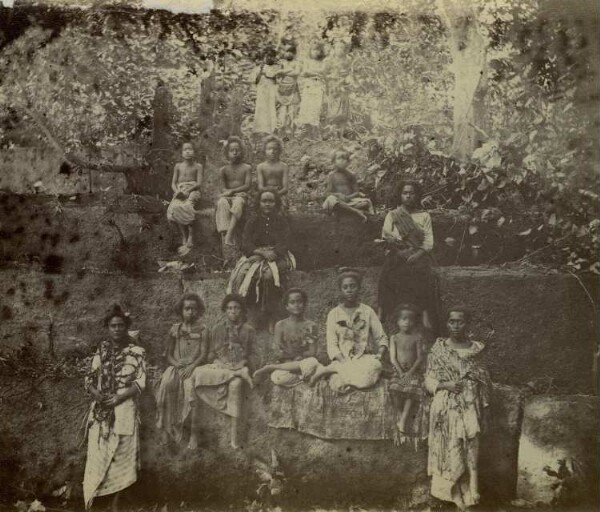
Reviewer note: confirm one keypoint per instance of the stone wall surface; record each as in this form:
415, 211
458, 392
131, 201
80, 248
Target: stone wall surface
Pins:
531, 342
42, 447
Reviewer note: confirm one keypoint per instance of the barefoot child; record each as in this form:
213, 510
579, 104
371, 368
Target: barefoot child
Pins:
342, 189
187, 348
407, 354
356, 341
273, 174
296, 338
338, 88
459, 382
220, 383
236, 177
186, 184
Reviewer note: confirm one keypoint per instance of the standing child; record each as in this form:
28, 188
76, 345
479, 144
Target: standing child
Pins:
296, 338
186, 184
343, 193
312, 90
338, 91
356, 341
288, 96
407, 354
237, 178
265, 112
187, 348
460, 384
273, 174
220, 383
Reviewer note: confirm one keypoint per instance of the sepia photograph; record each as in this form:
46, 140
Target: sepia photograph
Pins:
299, 255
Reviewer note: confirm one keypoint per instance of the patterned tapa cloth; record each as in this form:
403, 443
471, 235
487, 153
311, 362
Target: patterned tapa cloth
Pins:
456, 418
112, 462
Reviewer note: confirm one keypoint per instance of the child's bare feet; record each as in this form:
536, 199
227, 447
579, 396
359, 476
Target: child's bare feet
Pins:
193, 443
183, 250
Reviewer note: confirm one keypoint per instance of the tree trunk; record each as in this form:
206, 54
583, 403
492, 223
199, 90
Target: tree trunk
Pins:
468, 48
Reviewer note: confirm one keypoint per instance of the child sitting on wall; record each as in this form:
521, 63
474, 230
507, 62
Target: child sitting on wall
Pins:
186, 184
407, 355
273, 174
187, 348
343, 193
296, 338
237, 178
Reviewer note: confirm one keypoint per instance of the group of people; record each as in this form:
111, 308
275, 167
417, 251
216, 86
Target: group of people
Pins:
211, 365
293, 95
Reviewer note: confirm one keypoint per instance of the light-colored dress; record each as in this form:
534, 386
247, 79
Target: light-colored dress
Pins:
215, 383
455, 418
357, 339
265, 112
173, 393
113, 442
312, 92
338, 94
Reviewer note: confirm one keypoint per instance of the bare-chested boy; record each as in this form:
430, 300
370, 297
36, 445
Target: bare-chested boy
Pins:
407, 354
273, 174
237, 178
342, 189
296, 338
186, 184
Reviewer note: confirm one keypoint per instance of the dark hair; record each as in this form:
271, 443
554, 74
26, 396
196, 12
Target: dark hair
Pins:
319, 45
234, 139
289, 292
416, 186
234, 297
275, 194
406, 307
276, 140
460, 309
116, 311
289, 45
269, 51
191, 296
336, 152
350, 272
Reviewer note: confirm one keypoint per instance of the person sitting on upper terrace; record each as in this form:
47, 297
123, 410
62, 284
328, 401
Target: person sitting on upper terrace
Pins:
356, 341
273, 174
296, 339
261, 272
186, 184
343, 194
237, 178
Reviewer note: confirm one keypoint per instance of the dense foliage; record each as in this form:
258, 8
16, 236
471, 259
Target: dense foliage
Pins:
89, 77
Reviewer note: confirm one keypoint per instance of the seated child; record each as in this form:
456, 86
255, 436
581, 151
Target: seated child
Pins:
273, 174
356, 341
237, 178
220, 383
187, 348
342, 189
296, 338
186, 184
407, 354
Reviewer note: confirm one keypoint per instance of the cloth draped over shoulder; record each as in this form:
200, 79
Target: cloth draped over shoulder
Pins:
173, 393
249, 277
400, 281
456, 419
113, 455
